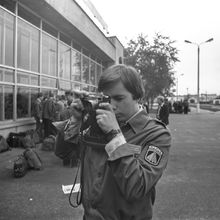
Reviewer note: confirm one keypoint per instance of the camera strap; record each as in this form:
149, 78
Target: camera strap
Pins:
79, 193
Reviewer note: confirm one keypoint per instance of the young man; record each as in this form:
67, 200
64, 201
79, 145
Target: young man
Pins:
120, 170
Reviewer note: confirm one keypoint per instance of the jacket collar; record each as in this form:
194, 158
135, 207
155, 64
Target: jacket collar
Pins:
138, 122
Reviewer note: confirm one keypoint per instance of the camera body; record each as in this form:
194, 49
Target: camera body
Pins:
90, 104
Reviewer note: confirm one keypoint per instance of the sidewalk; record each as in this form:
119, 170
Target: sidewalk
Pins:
38, 195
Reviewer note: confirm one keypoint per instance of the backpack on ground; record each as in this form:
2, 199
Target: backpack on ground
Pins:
33, 159
3, 144
20, 166
15, 140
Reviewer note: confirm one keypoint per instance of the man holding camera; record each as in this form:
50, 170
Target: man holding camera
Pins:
121, 167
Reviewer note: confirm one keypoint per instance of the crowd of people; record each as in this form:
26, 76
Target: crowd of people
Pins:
179, 106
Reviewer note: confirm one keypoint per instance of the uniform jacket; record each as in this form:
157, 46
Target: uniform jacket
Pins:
37, 110
163, 113
49, 109
122, 186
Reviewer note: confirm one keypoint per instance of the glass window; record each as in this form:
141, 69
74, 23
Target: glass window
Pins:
34, 93
85, 52
34, 80
85, 70
76, 45
49, 29
65, 85
28, 46
92, 73
27, 78
1, 104
6, 75
6, 38
65, 39
49, 55
99, 72
76, 86
93, 89
10, 5
64, 61
28, 16
23, 102
48, 82
6, 102
76, 66
85, 87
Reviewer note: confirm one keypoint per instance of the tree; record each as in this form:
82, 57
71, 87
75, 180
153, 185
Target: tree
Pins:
155, 62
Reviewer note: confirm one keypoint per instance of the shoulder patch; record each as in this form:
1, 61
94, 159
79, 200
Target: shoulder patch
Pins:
153, 155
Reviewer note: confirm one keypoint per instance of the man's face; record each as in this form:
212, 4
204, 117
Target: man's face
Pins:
122, 101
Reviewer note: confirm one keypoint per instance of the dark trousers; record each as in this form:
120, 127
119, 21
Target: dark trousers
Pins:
49, 128
39, 127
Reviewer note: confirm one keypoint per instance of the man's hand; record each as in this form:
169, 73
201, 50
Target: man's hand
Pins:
106, 119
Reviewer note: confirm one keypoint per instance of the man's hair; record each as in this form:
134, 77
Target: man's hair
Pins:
129, 77
40, 94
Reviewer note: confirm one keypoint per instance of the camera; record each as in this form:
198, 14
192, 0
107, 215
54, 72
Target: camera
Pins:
90, 103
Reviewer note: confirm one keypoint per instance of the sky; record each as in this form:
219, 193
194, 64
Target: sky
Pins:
193, 20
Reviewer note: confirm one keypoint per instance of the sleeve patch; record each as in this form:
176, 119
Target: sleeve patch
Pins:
153, 155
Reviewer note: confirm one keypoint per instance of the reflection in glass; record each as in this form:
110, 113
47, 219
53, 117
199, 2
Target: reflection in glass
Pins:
76, 66
23, 78
49, 52
1, 103
28, 46
85, 87
27, 78
85, 70
76, 86
6, 102
65, 85
64, 61
6, 38
48, 82
34, 80
93, 89
92, 73
99, 72
34, 93
6, 75
23, 102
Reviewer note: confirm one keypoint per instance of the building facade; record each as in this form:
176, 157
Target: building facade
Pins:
47, 45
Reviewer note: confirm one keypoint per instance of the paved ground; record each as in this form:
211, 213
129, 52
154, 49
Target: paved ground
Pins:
188, 190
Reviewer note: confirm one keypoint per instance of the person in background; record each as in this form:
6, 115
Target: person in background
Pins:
37, 113
66, 150
121, 167
162, 110
60, 106
49, 115
185, 106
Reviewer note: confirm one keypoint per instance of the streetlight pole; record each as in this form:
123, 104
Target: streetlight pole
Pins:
198, 46
177, 86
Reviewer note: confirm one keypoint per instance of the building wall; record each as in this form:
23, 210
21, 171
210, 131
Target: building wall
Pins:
45, 48
119, 52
